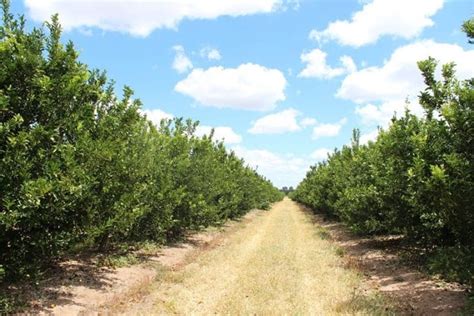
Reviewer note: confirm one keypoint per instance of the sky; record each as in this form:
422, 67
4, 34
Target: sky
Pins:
282, 82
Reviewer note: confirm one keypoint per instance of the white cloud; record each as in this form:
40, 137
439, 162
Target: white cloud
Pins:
181, 62
308, 121
277, 123
348, 63
317, 67
401, 18
400, 77
381, 115
370, 136
141, 17
210, 53
156, 115
382, 91
281, 169
220, 133
247, 87
281, 122
328, 130
321, 154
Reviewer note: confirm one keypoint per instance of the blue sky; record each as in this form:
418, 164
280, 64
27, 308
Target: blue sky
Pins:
282, 81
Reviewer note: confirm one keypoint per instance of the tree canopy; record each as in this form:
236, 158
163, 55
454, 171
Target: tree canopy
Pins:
83, 168
416, 178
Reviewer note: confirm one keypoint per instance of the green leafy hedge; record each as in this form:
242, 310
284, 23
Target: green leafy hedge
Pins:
79, 166
416, 178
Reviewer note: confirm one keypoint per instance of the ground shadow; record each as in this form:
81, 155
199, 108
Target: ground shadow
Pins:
380, 260
38, 295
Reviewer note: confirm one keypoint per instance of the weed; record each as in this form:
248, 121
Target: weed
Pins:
323, 233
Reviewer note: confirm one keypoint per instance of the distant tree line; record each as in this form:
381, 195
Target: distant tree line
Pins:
416, 178
287, 190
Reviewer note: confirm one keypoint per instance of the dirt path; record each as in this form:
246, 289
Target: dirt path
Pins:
80, 286
282, 261
276, 264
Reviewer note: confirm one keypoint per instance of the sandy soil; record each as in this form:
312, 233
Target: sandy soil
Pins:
413, 292
81, 287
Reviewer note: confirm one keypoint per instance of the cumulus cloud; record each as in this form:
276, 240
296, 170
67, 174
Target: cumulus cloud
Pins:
400, 77
348, 64
277, 123
401, 18
181, 62
381, 115
381, 91
225, 133
368, 137
317, 67
328, 129
308, 121
248, 87
281, 169
321, 154
141, 17
210, 53
156, 115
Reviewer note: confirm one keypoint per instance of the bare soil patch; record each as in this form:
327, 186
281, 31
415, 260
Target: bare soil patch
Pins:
79, 286
379, 259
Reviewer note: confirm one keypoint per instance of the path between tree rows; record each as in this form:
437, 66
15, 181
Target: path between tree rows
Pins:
281, 261
276, 264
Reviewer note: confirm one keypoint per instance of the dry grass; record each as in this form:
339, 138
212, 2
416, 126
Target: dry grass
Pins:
277, 264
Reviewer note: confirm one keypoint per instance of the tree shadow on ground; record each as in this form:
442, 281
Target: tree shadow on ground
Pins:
48, 291
380, 259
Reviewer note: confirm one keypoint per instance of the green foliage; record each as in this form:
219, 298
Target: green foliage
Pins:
453, 263
323, 233
82, 167
341, 252
468, 28
416, 178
